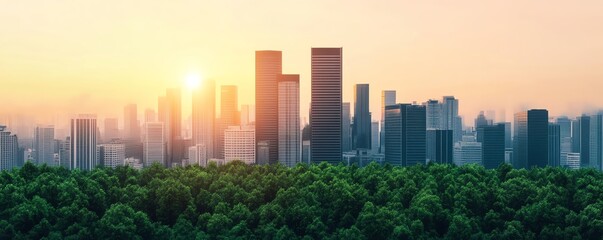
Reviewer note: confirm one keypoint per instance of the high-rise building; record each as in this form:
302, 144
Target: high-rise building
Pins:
468, 151
554, 145
150, 115
581, 139
433, 114
388, 97
573, 161
262, 153
439, 147
493, 145
239, 144
83, 142
289, 134
362, 118
450, 117
197, 155
9, 150
268, 69
325, 115
405, 134
65, 153
306, 152
229, 116
112, 154
154, 143
131, 124
204, 110
375, 137
43, 145
346, 127
596, 141
481, 120
531, 139
565, 135
111, 129
245, 111
170, 114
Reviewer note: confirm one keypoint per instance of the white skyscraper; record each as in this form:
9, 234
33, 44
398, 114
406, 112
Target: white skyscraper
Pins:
112, 154
239, 144
450, 117
204, 108
154, 144
8, 150
83, 142
43, 145
289, 136
434, 115
197, 155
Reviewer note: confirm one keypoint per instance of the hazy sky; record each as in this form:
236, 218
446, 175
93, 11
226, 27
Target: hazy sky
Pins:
95, 56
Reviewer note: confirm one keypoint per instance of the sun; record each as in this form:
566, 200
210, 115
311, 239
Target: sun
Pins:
193, 81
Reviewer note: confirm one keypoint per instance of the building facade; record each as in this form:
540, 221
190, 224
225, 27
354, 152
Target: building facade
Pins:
268, 70
239, 144
289, 132
83, 142
405, 135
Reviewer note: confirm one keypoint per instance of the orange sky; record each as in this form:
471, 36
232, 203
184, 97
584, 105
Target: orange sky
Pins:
97, 55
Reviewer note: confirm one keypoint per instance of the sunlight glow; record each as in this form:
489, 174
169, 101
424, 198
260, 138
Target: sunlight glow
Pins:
193, 81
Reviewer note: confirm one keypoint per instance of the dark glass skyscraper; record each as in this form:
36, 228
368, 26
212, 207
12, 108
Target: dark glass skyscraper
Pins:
268, 69
439, 147
531, 139
325, 111
581, 139
554, 145
362, 118
493, 145
346, 127
405, 134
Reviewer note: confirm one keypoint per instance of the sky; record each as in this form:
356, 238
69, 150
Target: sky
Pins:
96, 56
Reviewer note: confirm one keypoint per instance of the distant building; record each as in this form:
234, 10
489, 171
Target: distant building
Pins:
531, 139
405, 133
268, 70
306, 152
289, 133
133, 163
468, 151
554, 145
43, 145
263, 153
111, 129
229, 116
346, 127
493, 145
374, 137
204, 119
239, 144
197, 155
565, 135
65, 153
439, 146
362, 118
83, 142
150, 115
573, 161
433, 110
388, 97
9, 150
154, 143
450, 117
170, 114
596, 141
325, 115
111, 154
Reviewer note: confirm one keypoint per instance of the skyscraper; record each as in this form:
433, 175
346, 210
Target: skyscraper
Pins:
170, 114
154, 143
131, 124
244, 118
531, 139
83, 142
325, 116
388, 97
43, 144
439, 146
554, 145
112, 154
375, 137
197, 155
204, 110
481, 120
289, 133
405, 134
596, 141
433, 114
508, 136
229, 116
565, 135
450, 117
111, 129
468, 151
493, 145
362, 118
346, 127
268, 69
581, 139
9, 148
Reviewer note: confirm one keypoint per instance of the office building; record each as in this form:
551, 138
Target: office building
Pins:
450, 117
289, 134
388, 97
133, 163
325, 115
131, 124
239, 144
573, 161
374, 137
111, 154
405, 135
83, 142
204, 118
554, 145
481, 120
433, 110
9, 150
596, 141
170, 114
44, 145
229, 116
111, 130
268, 69
362, 118
262, 153
531, 139
565, 135
493, 145
346, 127
197, 155
468, 151
581, 139
508, 136
154, 144
439, 148
65, 153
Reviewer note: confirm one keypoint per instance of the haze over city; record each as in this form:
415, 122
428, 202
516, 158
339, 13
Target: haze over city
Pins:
64, 57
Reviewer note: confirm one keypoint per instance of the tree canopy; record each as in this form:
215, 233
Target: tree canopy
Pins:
237, 201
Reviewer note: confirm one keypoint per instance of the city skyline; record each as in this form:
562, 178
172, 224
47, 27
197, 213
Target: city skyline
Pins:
96, 62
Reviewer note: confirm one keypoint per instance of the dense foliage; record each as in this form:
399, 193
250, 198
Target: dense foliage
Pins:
309, 202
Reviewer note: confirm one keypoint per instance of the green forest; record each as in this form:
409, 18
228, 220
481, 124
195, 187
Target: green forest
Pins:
237, 201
